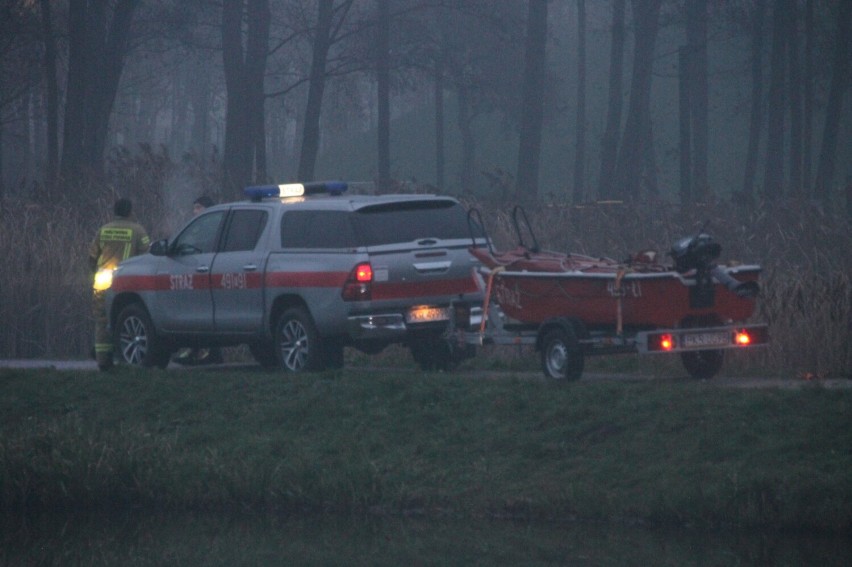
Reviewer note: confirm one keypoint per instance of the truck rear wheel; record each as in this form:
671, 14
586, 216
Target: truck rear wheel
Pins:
297, 342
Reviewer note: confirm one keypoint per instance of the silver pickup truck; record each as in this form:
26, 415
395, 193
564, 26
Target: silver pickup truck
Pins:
299, 271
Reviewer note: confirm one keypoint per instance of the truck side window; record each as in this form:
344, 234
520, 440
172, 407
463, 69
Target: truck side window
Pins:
317, 229
244, 230
200, 236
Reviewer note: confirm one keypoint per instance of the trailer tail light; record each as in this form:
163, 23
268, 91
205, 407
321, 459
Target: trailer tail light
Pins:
661, 343
358, 286
742, 338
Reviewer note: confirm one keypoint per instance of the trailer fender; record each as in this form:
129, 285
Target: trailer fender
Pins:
566, 323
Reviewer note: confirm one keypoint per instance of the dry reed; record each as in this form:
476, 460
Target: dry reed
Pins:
805, 253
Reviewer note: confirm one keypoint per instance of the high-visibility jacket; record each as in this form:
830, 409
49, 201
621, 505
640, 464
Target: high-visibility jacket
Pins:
117, 241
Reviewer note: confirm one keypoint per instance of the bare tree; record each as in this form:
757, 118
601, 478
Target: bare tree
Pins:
383, 90
756, 116
696, 35
609, 143
244, 80
323, 38
773, 178
839, 82
532, 103
580, 156
98, 45
51, 86
631, 157
794, 88
808, 97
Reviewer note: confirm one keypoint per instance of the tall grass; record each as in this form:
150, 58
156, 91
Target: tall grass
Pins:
806, 254
362, 442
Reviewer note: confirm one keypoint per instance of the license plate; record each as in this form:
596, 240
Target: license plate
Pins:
718, 338
427, 314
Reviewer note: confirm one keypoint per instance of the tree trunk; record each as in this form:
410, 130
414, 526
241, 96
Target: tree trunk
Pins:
794, 86
609, 143
684, 120
756, 118
439, 124
383, 89
467, 138
631, 155
833, 111
311, 133
97, 53
773, 178
696, 31
52, 95
808, 102
244, 77
580, 156
532, 102
200, 93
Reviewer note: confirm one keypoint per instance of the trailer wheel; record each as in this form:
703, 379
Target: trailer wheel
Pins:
703, 364
561, 354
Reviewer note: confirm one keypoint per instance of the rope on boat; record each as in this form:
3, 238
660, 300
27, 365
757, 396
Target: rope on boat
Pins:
619, 317
487, 301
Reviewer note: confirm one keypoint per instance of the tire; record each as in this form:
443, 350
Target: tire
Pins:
432, 353
703, 364
137, 343
332, 353
264, 354
297, 342
561, 354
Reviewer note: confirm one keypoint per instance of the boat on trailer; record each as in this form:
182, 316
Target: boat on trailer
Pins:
573, 305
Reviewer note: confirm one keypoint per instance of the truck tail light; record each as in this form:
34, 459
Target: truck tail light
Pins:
358, 286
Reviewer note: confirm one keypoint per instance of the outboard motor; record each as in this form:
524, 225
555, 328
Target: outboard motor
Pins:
699, 253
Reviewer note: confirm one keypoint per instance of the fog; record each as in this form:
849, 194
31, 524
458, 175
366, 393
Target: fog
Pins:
498, 99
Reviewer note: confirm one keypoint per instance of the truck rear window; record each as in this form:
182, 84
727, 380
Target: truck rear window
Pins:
411, 220
316, 229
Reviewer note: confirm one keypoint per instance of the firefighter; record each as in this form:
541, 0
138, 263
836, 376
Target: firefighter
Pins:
115, 241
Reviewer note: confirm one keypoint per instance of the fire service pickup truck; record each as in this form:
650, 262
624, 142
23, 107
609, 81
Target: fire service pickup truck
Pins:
299, 271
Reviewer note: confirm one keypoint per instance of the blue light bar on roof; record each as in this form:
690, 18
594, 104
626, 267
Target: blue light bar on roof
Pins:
258, 192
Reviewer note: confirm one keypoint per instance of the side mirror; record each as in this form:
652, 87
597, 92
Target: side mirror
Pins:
159, 248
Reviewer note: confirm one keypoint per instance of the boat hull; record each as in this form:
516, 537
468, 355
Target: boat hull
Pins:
603, 293
661, 300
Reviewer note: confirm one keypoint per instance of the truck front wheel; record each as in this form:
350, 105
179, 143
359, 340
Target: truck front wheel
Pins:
137, 341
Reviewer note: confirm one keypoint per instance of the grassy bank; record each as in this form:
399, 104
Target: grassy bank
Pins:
670, 452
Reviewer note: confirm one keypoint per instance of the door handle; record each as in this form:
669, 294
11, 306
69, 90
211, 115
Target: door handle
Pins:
202, 269
249, 268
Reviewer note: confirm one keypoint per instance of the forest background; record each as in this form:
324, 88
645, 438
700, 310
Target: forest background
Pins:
619, 124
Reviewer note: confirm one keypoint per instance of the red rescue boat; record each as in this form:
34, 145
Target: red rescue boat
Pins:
533, 286
571, 305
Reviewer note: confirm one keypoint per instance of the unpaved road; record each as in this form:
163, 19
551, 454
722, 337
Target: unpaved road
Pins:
722, 381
